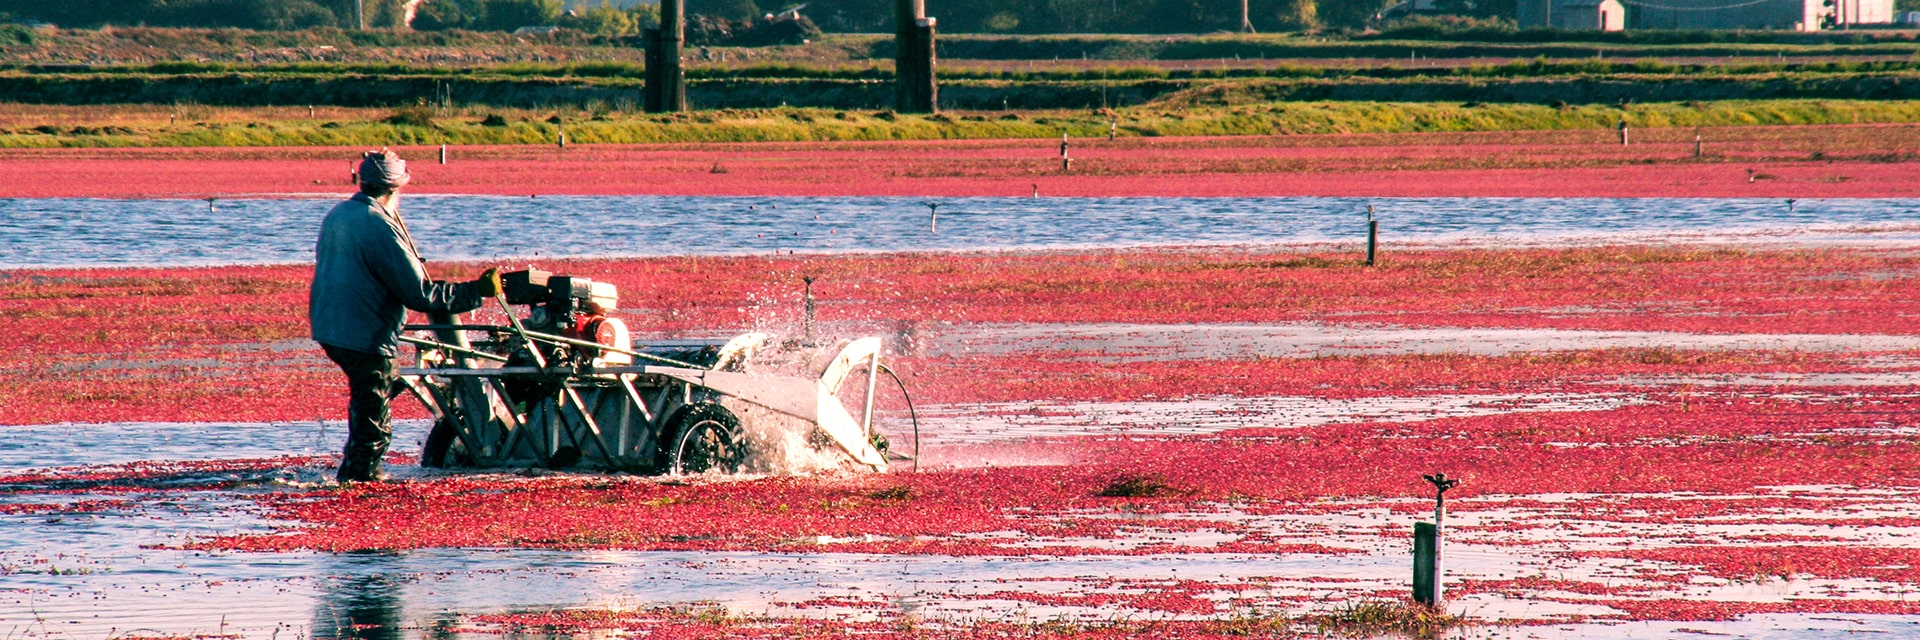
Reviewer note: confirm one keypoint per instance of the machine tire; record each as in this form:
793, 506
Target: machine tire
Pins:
439, 443
707, 437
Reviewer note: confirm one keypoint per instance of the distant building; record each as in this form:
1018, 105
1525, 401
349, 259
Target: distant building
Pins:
789, 13
576, 5
1797, 15
1591, 15
1412, 7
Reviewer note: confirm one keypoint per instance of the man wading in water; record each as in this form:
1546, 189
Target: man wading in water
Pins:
366, 274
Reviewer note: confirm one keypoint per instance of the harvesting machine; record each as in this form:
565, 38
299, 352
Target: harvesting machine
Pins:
565, 387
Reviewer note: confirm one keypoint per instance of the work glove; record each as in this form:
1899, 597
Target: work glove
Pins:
489, 283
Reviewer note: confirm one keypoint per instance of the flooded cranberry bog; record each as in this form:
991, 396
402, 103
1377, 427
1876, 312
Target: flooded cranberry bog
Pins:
1668, 434
1828, 161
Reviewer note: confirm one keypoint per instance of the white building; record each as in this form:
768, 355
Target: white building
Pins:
1797, 15
1591, 15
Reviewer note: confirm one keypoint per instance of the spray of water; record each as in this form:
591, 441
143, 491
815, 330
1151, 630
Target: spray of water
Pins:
780, 444
777, 443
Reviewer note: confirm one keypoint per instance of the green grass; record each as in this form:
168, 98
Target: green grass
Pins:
983, 86
1172, 118
1349, 117
373, 47
592, 72
1375, 618
850, 72
957, 93
1137, 486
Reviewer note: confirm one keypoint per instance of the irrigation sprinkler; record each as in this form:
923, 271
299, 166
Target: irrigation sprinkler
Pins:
1373, 236
1427, 571
1441, 483
807, 298
933, 213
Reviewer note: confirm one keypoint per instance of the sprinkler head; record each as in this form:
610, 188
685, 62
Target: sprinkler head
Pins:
1441, 482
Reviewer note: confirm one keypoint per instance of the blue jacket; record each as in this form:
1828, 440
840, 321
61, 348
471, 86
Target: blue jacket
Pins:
366, 274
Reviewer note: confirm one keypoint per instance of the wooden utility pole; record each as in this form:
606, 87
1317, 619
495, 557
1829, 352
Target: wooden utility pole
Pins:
666, 81
915, 90
1246, 20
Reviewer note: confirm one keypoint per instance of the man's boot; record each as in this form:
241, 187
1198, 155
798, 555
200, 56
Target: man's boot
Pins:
373, 472
361, 464
350, 470
359, 471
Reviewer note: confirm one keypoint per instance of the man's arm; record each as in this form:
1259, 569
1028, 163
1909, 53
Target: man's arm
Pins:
395, 265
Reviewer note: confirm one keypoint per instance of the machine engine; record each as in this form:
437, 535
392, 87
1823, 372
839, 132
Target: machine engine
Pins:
572, 307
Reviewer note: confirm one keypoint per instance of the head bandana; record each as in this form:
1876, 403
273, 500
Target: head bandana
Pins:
383, 168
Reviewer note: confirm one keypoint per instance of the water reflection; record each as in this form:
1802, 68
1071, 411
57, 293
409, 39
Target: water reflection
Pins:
365, 601
27, 446
433, 593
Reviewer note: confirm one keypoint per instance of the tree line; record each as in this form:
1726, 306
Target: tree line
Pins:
858, 16
1124, 16
286, 15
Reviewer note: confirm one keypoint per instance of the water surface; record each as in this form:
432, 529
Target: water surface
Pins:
105, 232
99, 574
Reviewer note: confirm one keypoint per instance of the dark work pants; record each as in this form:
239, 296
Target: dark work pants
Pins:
371, 379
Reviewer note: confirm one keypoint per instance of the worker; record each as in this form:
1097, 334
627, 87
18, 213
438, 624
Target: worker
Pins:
366, 273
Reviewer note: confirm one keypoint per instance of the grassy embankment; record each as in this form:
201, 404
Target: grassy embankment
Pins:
485, 90
137, 45
214, 127
964, 86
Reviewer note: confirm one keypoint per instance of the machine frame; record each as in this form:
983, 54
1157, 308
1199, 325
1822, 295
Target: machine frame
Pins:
668, 416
